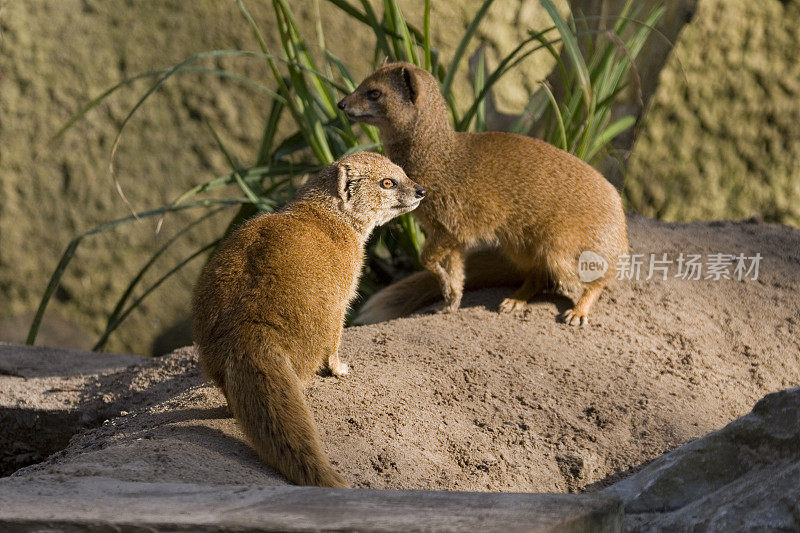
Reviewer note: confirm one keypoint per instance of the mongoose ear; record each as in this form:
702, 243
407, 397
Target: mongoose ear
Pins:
407, 83
344, 184
410, 80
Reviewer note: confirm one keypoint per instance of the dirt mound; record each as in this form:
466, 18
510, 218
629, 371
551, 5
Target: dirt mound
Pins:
483, 401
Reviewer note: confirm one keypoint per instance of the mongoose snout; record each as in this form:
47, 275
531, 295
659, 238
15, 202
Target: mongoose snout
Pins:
270, 305
539, 205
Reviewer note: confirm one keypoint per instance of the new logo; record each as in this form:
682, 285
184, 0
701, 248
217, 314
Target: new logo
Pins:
591, 266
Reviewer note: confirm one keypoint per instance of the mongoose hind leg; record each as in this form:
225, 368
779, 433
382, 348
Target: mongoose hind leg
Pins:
578, 315
446, 261
533, 285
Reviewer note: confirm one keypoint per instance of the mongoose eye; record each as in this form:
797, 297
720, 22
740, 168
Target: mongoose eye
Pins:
374, 94
387, 183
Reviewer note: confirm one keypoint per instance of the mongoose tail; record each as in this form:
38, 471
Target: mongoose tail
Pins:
484, 269
264, 394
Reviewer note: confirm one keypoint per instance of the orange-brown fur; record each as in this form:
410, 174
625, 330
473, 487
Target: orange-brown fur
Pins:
483, 268
540, 205
270, 305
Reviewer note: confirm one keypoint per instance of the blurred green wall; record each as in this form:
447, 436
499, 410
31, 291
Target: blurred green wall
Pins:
721, 139
57, 54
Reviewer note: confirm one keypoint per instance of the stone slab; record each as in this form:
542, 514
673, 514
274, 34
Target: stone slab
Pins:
105, 504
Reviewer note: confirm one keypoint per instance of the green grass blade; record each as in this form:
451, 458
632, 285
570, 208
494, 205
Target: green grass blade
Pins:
533, 110
52, 285
263, 204
268, 135
411, 237
113, 326
321, 37
609, 134
299, 111
252, 175
462, 46
112, 318
572, 49
222, 73
69, 252
407, 42
172, 71
514, 58
253, 26
382, 33
477, 88
235, 166
426, 32
344, 73
559, 119
319, 81
350, 84
98, 99
395, 38
307, 117
361, 147
369, 18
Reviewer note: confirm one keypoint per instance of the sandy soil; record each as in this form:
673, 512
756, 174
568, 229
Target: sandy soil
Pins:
483, 401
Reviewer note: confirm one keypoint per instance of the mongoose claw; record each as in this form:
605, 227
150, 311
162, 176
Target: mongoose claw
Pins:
575, 318
339, 369
510, 305
451, 305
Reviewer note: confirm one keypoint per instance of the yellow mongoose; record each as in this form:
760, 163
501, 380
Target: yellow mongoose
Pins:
542, 206
270, 305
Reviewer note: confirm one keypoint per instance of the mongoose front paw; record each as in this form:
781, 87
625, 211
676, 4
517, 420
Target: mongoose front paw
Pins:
339, 369
509, 305
575, 318
450, 307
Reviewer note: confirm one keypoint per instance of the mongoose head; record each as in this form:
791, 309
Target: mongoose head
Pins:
370, 189
394, 97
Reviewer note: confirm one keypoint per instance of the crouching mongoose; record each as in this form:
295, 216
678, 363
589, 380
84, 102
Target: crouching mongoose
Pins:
270, 305
542, 206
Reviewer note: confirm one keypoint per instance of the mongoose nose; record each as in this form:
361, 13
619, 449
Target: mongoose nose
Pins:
341, 104
420, 192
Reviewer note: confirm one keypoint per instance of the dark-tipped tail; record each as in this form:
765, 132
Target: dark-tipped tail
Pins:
266, 398
484, 269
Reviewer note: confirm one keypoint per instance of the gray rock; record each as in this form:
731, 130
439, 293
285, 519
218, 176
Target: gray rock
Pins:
746, 475
108, 504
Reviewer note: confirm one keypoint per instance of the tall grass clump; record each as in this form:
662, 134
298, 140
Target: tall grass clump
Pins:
304, 86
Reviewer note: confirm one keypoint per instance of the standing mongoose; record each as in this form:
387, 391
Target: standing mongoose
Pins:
541, 206
270, 305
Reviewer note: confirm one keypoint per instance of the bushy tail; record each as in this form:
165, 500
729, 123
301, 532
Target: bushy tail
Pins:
484, 269
266, 398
